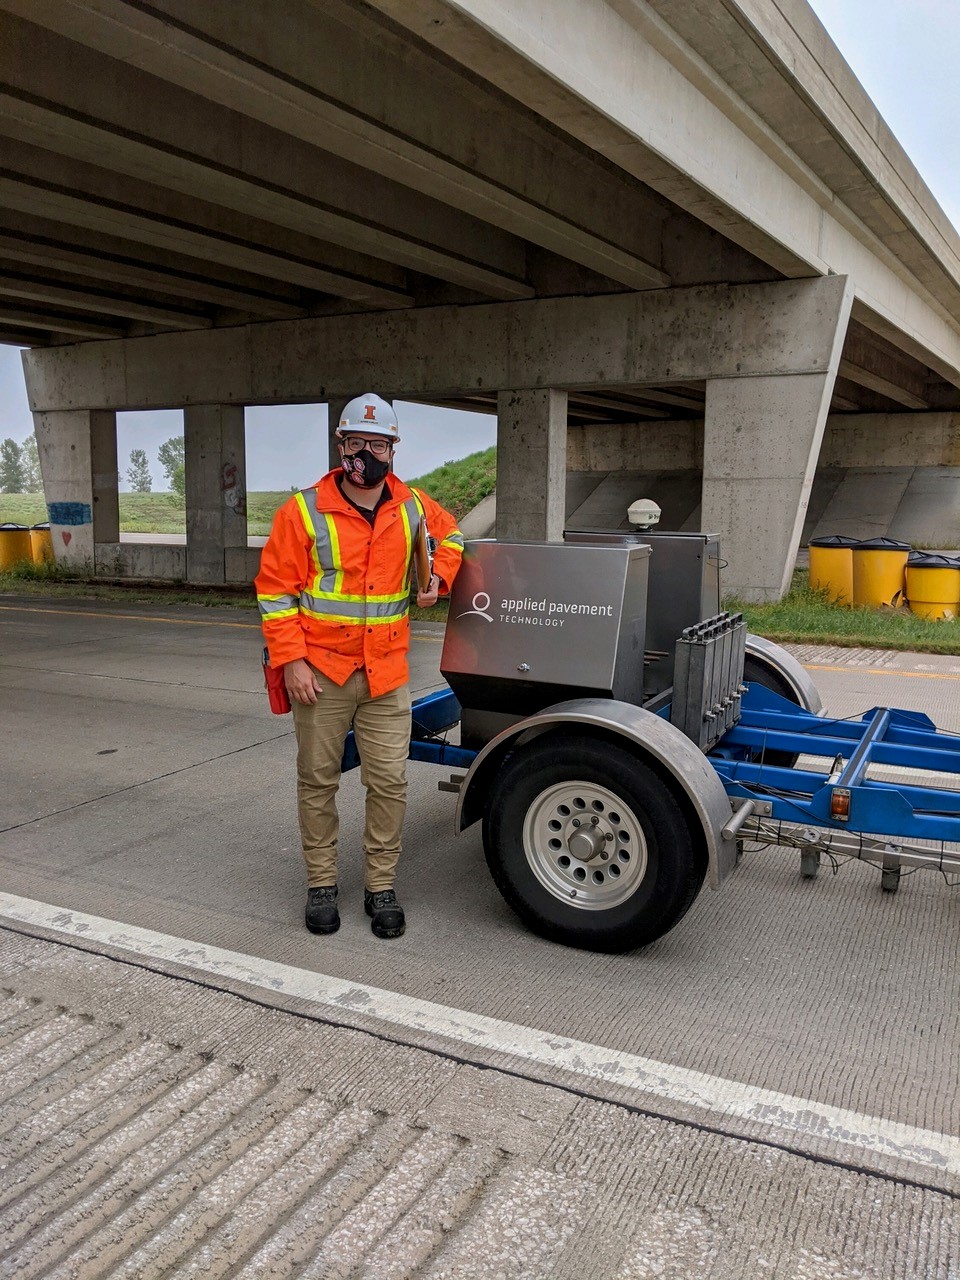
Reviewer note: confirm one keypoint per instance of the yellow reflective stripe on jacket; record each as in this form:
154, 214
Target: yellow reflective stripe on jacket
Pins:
364, 609
453, 540
333, 578
365, 620
412, 513
336, 595
409, 532
279, 606
325, 552
305, 516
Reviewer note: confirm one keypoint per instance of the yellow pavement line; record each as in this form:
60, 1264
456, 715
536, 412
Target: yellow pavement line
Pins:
127, 617
880, 671
151, 617
255, 626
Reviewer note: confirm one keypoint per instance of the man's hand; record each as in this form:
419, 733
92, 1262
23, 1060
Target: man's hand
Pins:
301, 683
429, 597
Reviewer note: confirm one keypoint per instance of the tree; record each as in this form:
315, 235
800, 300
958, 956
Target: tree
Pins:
138, 473
11, 467
30, 461
170, 454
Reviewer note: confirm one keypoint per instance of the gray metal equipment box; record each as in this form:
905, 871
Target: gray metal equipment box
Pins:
684, 588
533, 623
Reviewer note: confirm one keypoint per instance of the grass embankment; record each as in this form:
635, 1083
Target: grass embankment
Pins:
144, 512
459, 486
804, 616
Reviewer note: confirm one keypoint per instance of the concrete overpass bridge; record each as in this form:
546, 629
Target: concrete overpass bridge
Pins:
656, 236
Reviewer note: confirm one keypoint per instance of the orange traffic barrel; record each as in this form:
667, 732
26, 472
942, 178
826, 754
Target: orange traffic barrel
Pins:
14, 544
933, 586
831, 567
41, 543
878, 571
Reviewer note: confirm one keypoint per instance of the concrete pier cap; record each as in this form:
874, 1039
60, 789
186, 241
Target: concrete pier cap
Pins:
767, 355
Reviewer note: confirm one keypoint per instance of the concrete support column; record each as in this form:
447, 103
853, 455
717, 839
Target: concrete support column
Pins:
216, 476
531, 464
78, 462
762, 437
761, 444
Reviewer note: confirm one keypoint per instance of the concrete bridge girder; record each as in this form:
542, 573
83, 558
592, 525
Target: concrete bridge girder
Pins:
533, 188
605, 70
768, 354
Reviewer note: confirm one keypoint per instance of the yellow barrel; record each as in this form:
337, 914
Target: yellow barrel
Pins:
933, 587
878, 571
41, 543
14, 544
831, 567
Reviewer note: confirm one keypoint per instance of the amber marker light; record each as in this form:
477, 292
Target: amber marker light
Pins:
840, 804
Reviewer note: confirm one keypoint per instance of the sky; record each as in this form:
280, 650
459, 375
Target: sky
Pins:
904, 52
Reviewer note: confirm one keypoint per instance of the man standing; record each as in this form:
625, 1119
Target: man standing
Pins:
334, 591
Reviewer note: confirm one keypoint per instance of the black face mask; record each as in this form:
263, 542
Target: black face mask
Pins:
364, 469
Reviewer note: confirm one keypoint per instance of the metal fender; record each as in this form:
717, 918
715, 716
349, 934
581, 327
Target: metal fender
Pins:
786, 666
651, 734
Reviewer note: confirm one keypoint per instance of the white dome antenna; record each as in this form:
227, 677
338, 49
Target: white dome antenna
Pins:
643, 514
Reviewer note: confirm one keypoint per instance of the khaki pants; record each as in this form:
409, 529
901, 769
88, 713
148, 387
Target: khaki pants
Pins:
382, 729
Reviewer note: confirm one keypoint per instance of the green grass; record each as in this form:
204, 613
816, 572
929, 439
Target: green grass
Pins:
459, 486
49, 580
805, 616
22, 508
144, 512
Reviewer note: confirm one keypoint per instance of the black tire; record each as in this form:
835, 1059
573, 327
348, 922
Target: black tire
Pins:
642, 876
757, 672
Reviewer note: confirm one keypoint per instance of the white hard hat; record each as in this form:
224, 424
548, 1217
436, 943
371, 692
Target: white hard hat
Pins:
371, 415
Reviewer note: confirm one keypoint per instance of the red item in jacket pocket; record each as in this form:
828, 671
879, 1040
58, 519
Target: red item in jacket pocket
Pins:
276, 687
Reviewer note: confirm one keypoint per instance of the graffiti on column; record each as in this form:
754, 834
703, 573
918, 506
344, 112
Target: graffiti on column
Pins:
234, 494
69, 513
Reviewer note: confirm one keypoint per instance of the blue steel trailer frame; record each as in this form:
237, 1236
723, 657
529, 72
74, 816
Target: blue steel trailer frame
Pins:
845, 799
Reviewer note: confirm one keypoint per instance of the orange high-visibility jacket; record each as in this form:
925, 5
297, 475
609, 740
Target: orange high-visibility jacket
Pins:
335, 591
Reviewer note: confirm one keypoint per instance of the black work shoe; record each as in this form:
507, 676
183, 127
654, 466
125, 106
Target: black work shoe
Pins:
385, 911
322, 915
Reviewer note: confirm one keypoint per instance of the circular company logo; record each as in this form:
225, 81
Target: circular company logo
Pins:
481, 603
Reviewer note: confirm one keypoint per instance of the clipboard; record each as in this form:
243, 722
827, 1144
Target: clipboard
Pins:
422, 560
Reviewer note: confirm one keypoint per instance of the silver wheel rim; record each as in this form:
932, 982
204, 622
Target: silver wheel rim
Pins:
584, 845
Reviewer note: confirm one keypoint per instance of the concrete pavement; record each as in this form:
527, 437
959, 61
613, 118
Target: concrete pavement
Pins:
148, 788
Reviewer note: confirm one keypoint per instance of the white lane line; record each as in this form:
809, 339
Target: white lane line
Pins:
726, 1098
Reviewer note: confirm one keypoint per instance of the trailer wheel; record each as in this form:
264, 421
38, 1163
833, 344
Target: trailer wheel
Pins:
757, 672
589, 845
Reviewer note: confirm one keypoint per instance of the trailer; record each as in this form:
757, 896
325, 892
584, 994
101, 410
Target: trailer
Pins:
620, 737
